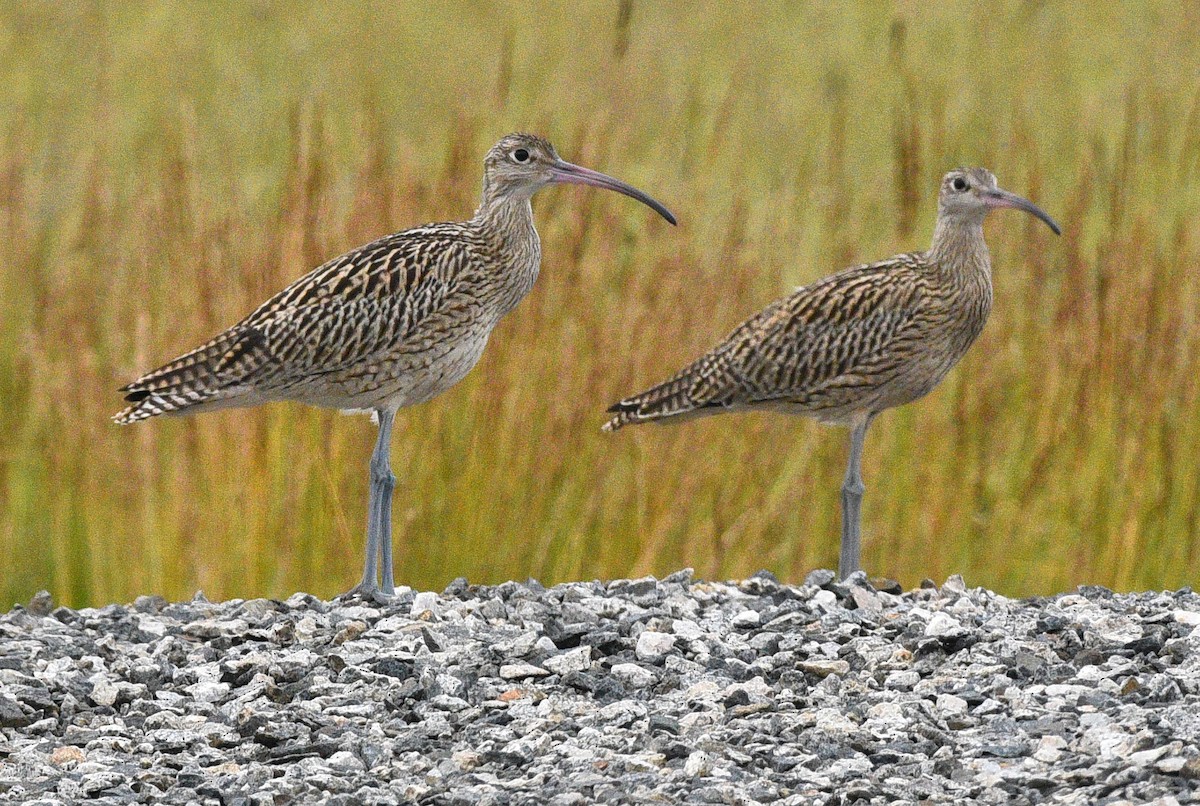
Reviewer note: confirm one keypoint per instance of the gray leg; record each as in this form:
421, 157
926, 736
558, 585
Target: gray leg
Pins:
852, 493
370, 570
379, 515
384, 514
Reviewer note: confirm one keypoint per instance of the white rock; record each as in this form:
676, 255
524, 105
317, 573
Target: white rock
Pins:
682, 666
1095, 720
833, 722
826, 600
1118, 630
653, 645
169, 697
886, 712
621, 713
104, 691
901, 681
207, 691
1049, 749
1189, 617
703, 691
986, 771
306, 628
867, 601
1143, 758
515, 671
1112, 743
697, 720
644, 762
824, 668
519, 646
755, 687
425, 602
687, 629
448, 702
943, 625
746, 618
698, 764
299, 657
345, 760
466, 759
1067, 691
152, 626
951, 704
573, 660
955, 583
449, 684
990, 705
846, 767
633, 675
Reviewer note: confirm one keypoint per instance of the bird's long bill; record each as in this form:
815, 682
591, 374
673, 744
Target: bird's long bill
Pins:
573, 174
1002, 198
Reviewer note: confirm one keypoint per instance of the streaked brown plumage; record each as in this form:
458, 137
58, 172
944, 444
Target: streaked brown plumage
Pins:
396, 321
855, 343
387, 325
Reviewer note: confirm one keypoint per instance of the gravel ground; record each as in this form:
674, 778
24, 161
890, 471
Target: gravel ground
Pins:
634, 691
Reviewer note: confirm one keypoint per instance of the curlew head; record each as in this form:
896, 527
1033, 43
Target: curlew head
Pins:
522, 164
969, 194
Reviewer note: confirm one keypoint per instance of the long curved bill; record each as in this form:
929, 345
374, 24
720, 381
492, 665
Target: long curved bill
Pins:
1002, 198
568, 173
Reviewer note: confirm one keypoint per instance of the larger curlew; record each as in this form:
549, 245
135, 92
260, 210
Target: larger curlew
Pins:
390, 324
855, 343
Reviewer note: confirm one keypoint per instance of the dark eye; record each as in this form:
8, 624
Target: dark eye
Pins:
520, 155
959, 184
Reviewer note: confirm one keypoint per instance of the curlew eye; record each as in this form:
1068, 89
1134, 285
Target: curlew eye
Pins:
521, 155
959, 184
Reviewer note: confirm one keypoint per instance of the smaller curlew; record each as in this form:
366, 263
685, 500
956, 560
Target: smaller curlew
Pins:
855, 343
390, 324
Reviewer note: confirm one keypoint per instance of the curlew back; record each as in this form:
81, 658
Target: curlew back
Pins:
847, 342
321, 338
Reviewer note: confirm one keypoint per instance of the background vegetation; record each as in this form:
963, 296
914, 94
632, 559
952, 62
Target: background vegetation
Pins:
165, 166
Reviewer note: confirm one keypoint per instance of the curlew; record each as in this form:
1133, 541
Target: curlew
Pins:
855, 343
390, 324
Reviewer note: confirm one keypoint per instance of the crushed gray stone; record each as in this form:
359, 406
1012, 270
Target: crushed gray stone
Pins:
645, 690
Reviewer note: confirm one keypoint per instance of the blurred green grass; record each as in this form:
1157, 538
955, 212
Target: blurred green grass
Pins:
163, 168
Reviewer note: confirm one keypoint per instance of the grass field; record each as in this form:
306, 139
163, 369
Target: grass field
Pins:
163, 169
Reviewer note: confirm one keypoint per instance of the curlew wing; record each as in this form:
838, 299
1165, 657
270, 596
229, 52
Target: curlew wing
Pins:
814, 351
355, 309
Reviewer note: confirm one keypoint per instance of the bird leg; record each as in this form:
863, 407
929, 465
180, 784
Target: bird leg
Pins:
387, 483
852, 493
379, 517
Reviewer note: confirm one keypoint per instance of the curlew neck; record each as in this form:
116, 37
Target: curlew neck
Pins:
506, 219
505, 212
506, 222
958, 248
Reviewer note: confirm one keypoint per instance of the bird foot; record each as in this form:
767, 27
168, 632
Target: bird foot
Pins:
367, 594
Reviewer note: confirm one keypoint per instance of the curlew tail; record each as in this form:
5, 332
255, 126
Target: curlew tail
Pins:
206, 378
695, 390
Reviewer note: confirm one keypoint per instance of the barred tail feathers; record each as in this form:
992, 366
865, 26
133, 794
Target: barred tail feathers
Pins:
670, 399
198, 380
